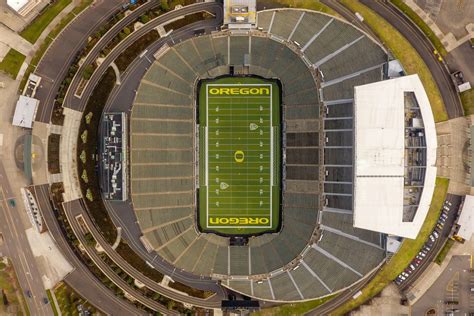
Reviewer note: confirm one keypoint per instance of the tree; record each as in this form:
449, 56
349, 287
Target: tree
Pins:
144, 19
164, 6
88, 71
90, 241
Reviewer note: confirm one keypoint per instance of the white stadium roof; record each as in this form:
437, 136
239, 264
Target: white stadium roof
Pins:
379, 129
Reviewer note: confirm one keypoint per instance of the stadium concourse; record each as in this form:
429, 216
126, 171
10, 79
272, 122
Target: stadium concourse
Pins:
318, 59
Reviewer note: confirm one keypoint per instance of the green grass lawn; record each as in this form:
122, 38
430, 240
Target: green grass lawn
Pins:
49, 39
315, 5
240, 177
444, 251
14, 295
33, 31
407, 251
51, 301
294, 308
467, 99
69, 300
403, 51
422, 25
12, 62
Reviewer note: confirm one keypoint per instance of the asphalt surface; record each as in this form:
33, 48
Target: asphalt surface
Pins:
101, 44
452, 285
80, 103
213, 302
81, 279
121, 99
424, 47
55, 63
122, 213
437, 245
73, 209
17, 247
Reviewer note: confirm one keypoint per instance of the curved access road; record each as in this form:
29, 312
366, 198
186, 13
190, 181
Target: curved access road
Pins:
212, 302
80, 279
58, 58
79, 104
423, 46
122, 213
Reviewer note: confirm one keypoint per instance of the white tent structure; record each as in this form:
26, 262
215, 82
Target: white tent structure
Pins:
379, 167
25, 111
466, 219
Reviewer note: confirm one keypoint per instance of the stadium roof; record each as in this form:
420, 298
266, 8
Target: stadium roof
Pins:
379, 170
25, 111
466, 219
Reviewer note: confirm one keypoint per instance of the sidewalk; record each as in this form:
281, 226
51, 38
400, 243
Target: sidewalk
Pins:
432, 273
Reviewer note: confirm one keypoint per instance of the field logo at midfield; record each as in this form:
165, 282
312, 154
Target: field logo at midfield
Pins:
215, 220
239, 91
239, 156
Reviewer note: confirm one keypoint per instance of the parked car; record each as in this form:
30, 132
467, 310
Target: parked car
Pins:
435, 234
422, 254
45, 300
432, 238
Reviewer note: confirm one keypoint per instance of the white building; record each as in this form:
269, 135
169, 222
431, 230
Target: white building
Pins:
23, 7
383, 191
25, 111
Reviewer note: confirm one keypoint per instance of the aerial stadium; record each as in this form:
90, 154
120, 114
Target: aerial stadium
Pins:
279, 154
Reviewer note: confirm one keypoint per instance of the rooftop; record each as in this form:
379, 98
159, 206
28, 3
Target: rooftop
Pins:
395, 138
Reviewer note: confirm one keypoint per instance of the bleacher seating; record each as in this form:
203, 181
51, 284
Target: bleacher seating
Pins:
163, 194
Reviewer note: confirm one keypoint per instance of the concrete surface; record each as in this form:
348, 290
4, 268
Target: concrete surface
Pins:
51, 262
67, 157
388, 303
452, 156
13, 40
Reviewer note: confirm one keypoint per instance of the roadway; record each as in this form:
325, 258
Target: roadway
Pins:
122, 98
425, 49
81, 279
57, 60
74, 209
80, 103
437, 245
122, 213
212, 302
17, 248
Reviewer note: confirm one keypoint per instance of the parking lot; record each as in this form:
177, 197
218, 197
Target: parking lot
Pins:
451, 293
433, 244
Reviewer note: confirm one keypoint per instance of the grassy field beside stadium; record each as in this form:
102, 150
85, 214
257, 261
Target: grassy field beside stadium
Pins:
239, 134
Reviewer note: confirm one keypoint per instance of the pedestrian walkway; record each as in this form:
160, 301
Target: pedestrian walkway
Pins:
10, 39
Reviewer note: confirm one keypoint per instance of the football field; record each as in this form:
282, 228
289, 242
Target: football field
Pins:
239, 171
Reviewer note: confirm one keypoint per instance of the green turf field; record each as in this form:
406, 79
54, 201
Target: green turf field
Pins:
239, 180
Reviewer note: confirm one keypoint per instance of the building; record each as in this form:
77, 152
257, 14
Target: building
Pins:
25, 112
395, 156
113, 160
23, 7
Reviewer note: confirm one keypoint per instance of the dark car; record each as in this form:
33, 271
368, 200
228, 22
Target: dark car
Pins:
45, 300
28, 293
